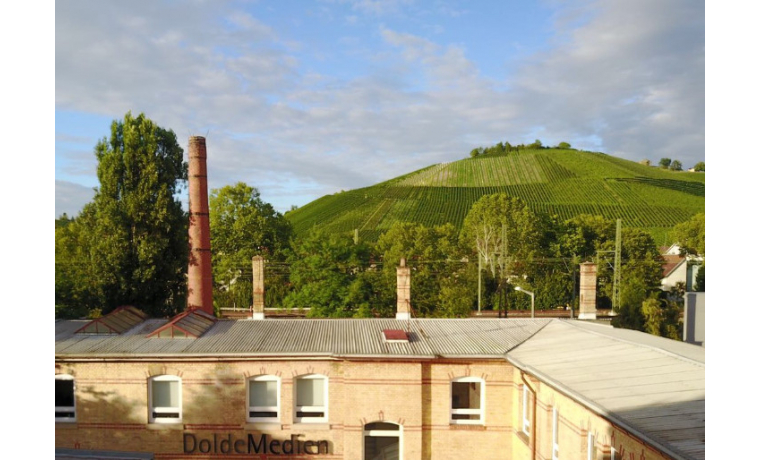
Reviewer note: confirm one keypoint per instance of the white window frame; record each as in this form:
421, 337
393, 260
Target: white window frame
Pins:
323, 409
526, 410
164, 410
555, 433
385, 433
590, 446
67, 409
480, 412
250, 408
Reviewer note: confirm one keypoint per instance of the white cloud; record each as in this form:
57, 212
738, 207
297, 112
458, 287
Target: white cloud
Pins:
624, 77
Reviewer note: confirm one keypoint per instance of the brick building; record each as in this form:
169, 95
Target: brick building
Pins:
199, 387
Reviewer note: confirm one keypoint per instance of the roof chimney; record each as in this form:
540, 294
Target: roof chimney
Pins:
403, 291
588, 291
258, 287
199, 285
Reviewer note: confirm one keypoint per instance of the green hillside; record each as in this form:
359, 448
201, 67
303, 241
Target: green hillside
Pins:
552, 181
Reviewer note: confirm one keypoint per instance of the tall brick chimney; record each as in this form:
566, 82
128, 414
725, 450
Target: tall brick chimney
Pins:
199, 284
588, 291
403, 291
257, 264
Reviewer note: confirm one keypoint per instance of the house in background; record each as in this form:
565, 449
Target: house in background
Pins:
678, 268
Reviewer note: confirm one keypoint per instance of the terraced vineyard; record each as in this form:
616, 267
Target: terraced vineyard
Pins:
556, 182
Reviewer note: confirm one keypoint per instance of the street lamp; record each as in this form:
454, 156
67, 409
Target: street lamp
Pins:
532, 300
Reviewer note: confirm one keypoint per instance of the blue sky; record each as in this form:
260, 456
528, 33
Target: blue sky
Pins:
303, 99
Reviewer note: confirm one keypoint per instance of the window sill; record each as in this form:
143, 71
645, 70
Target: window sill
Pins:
166, 426
523, 437
319, 426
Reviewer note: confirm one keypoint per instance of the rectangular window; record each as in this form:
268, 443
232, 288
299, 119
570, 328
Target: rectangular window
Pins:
467, 401
311, 399
65, 410
555, 434
526, 410
264, 399
165, 399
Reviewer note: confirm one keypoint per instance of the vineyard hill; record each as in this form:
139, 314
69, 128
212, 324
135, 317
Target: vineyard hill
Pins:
558, 182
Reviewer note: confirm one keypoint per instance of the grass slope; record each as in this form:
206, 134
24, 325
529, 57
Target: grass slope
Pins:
551, 181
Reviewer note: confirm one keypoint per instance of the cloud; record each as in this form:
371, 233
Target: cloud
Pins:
70, 198
623, 77
632, 75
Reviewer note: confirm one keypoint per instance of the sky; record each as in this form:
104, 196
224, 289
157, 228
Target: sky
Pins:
303, 99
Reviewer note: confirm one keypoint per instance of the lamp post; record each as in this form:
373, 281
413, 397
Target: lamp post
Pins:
532, 300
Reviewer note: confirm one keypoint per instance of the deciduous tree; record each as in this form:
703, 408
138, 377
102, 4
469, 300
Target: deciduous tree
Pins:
133, 236
243, 225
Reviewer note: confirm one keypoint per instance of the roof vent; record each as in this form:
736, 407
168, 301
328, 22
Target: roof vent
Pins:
187, 325
395, 336
114, 323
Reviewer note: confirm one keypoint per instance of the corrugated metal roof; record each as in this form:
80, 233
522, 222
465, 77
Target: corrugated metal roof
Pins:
429, 338
651, 386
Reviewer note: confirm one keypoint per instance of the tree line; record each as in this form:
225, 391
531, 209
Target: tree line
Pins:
129, 246
506, 147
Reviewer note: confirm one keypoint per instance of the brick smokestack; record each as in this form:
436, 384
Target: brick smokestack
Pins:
403, 291
199, 285
588, 291
257, 264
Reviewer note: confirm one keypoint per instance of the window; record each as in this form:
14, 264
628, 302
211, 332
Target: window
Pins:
264, 399
311, 399
526, 410
555, 434
590, 447
467, 400
65, 410
165, 396
382, 441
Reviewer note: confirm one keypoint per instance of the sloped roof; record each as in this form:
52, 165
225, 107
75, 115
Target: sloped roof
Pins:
428, 338
671, 263
651, 386
121, 319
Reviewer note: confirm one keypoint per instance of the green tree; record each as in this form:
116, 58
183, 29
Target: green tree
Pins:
690, 235
76, 294
665, 163
243, 225
328, 274
661, 317
434, 256
699, 167
133, 235
563, 145
699, 285
676, 166
504, 231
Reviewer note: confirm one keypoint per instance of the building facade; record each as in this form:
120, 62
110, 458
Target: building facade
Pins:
197, 387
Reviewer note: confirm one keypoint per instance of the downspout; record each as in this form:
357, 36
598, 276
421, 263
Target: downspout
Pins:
535, 425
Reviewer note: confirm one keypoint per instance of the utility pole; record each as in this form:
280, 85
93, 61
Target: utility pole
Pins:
616, 278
